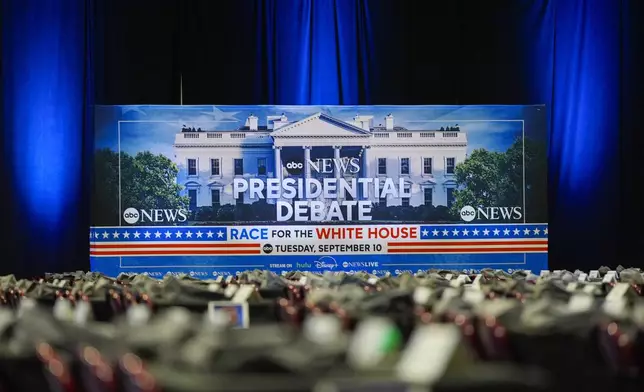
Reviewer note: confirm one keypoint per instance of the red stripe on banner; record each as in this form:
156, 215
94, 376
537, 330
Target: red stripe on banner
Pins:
469, 243
171, 245
470, 250
212, 252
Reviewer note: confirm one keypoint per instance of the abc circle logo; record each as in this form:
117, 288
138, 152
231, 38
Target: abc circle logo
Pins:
294, 166
468, 213
267, 248
131, 215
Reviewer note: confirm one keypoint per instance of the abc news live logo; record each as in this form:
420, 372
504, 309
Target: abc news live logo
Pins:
133, 216
469, 213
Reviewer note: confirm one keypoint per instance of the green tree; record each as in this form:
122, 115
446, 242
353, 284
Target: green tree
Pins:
496, 179
536, 178
480, 180
150, 181
147, 181
105, 192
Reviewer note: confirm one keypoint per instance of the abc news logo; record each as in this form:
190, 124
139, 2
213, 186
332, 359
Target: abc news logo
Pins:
469, 213
325, 165
133, 216
294, 166
267, 248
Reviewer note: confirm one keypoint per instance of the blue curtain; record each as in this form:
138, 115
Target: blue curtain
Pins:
577, 56
575, 66
585, 98
315, 52
46, 93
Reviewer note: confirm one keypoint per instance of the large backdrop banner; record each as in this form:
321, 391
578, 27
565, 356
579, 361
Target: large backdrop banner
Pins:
213, 190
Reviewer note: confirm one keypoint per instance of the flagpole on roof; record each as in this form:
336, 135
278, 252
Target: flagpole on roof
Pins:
181, 89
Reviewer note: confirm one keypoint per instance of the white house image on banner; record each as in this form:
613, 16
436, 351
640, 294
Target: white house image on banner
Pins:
209, 161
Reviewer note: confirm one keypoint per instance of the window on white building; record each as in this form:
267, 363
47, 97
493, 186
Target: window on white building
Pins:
428, 194
404, 166
382, 200
192, 195
192, 167
239, 166
382, 166
450, 165
450, 197
405, 200
261, 166
216, 197
427, 165
215, 167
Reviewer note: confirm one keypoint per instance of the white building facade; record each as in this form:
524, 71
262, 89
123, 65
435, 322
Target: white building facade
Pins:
209, 161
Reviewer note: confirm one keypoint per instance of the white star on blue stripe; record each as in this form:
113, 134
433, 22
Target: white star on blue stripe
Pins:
481, 231
164, 234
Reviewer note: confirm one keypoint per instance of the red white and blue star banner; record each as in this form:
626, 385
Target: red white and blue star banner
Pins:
273, 240
325, 247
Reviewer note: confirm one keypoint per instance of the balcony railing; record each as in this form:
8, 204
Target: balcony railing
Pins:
420, 137
188, 138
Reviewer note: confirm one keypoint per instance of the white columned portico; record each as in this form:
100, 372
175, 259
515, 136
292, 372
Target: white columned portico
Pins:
307, 167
